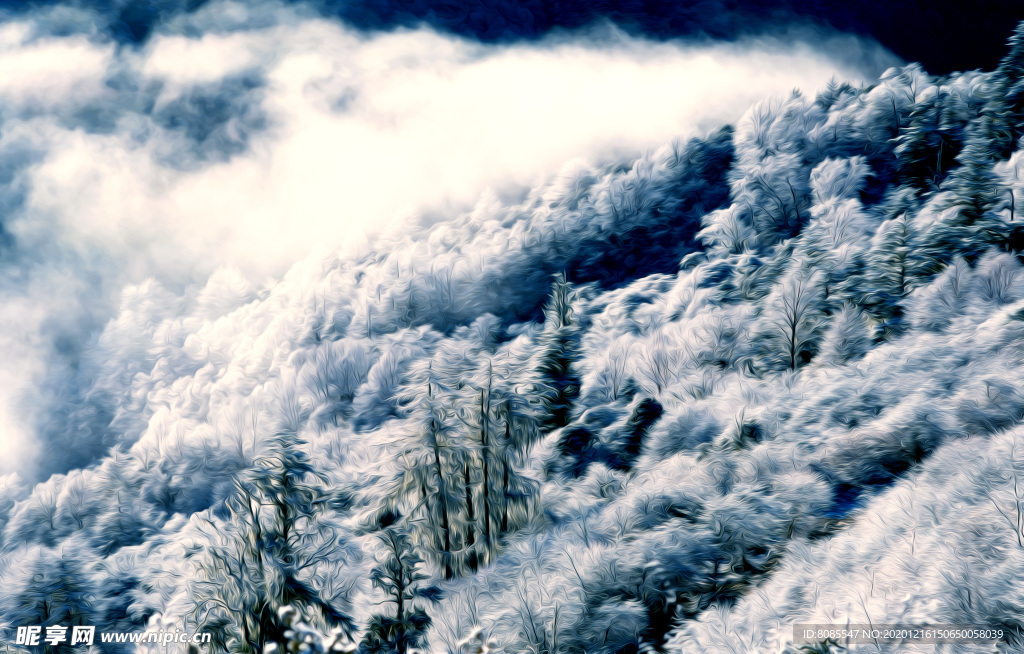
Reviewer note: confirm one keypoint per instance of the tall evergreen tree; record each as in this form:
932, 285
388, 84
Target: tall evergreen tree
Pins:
500, 424
261, 564
1005, 105
973, 184
482, 433
517, 490
888, 277
559, 349
399, 576
430, 467
927, 147
975, 189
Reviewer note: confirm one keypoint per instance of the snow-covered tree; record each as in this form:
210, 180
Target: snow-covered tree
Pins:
558, 348
429, 463
888, 275
847, 338
793, 318
399, 576
265, 558
928, 146
54, 589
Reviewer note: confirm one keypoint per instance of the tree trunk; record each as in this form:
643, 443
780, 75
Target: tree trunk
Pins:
505, 482
792, 343
485, 455
470, 518
445, 528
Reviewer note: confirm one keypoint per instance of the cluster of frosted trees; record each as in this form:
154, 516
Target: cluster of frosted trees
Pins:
249, 574
461, 482
846, 216
864, 225
458, 487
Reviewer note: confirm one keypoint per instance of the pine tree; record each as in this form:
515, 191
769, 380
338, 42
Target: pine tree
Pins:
518, 429
1006, 99
973, 184
484, 445
847, 339
505, 427
833, 93
559, 349
399, 576
888, 277
296, 494
975, 189
970, 224
260, 562
430, 466
927, 147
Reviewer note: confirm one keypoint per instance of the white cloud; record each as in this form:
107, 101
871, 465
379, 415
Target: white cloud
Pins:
367, 129
21, 366
51, 71
182, 60
360, 131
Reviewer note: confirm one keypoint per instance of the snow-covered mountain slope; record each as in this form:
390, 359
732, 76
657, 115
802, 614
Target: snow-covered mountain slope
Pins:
674, 403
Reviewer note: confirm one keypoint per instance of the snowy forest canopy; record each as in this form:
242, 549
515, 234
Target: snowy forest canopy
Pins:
673, 403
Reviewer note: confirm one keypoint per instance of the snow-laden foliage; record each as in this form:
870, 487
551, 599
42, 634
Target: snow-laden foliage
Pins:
519, 430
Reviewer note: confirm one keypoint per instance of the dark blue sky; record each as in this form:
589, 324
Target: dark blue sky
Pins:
944, 36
